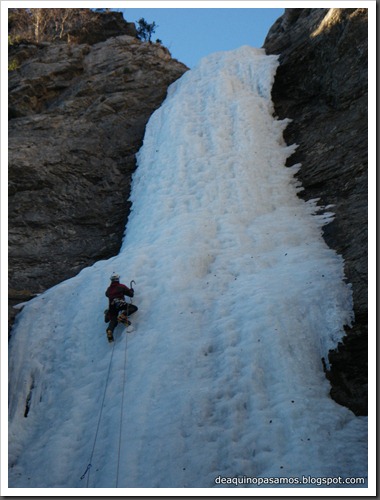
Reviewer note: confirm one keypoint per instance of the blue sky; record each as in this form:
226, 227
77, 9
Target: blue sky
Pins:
192, 33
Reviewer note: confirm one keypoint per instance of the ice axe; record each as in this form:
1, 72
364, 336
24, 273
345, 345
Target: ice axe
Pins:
131, 287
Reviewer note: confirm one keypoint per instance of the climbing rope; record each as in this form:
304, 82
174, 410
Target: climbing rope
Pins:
87, 471
99, 419
121, 412
122, 399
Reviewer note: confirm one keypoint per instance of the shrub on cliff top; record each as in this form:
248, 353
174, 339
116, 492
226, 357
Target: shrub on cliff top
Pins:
145, 30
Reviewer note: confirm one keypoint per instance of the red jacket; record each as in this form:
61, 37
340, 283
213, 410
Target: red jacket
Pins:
117, 291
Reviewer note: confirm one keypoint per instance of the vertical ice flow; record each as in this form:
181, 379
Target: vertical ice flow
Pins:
239, 298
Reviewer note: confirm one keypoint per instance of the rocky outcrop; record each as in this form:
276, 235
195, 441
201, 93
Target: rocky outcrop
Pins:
77, 115
321, 84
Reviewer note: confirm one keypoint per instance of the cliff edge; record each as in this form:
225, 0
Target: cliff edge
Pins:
321, 84
77, 116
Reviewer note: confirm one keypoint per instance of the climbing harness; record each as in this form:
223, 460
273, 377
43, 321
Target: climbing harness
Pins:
120, 304
127, 309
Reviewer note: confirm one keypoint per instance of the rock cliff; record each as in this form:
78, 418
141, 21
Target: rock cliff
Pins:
321, 84
77, 115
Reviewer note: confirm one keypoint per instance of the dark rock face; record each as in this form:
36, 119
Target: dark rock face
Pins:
109, 24
321, 84
77, 115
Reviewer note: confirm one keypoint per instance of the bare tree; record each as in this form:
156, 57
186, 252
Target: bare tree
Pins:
50, 24
40, 19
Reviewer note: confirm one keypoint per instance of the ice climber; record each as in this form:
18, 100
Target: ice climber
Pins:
118, 309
